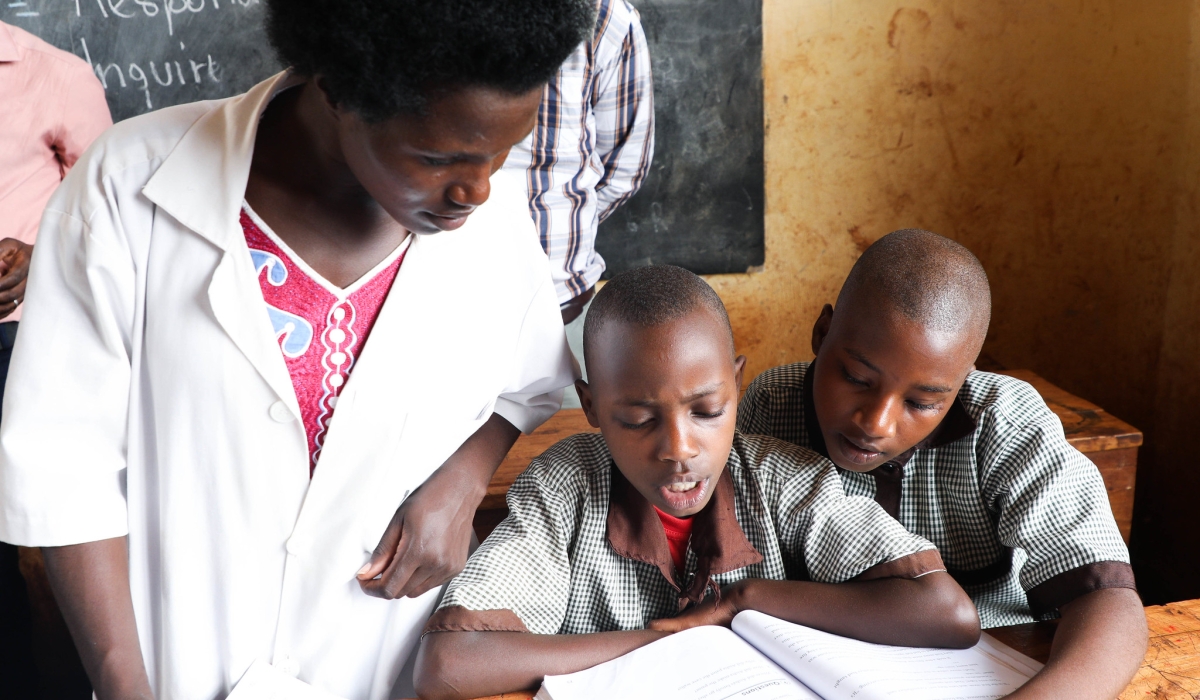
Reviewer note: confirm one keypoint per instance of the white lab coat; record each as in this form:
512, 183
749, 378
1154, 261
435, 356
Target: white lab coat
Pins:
149, 397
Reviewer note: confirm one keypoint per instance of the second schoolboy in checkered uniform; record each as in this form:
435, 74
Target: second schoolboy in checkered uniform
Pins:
1020, 517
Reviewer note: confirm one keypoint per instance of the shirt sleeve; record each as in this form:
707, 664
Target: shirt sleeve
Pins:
623, 105
83, 117
1052, 504
520, 577
63, 439
544, 364
841, 537
773, 404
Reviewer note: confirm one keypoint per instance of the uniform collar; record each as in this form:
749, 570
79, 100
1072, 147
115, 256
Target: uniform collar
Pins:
636, 532
956, 425
202, 182
9, 51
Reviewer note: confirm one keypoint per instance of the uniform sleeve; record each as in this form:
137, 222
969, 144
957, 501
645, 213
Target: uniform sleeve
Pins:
841, 538
773, 404
64, 434
519, 579
84, 115
623, 104
1053, 505
544, 364
752, 415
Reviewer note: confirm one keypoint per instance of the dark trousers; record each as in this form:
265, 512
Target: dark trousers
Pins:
18, 676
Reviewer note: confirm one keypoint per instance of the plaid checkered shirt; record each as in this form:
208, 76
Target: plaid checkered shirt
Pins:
592, 144
582, 551
1020, 517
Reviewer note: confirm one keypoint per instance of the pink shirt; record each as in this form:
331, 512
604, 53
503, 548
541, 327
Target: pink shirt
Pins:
321, 328
51, 108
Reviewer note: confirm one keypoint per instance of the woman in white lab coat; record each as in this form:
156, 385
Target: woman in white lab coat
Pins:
153, 441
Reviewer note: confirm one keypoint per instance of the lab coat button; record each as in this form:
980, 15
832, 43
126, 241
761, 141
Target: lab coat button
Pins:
280, 412
289, 666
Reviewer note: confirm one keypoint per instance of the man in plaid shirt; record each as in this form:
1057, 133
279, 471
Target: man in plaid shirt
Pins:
973, 461
588, 154
670, 519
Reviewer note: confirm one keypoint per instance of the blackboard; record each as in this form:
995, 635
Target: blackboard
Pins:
701, 205
154, 53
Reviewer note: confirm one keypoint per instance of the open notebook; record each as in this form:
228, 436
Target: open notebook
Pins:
765, 658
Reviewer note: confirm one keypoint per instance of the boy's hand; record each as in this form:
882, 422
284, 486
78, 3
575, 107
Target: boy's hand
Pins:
707, 612
426, 543
14, 269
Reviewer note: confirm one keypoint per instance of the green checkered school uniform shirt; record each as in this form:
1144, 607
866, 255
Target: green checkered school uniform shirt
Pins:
582, 551
1020, 517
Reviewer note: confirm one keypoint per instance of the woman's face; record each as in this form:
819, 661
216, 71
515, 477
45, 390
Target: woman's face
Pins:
429, 171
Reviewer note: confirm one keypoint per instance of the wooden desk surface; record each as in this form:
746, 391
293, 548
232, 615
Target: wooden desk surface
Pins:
1170, 671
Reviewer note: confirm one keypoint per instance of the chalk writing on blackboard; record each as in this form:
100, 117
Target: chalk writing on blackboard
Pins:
154, 53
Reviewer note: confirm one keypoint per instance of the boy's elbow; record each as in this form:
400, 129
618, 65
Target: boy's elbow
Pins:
958, 626
964, 626
434, 666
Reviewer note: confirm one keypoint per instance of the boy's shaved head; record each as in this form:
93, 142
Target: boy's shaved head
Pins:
651, 296
892, 355
928, 278
663, 384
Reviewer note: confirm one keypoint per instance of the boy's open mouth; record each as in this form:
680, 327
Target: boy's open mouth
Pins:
857, 454
684, 494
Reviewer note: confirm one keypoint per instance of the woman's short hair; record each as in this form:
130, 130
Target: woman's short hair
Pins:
383, 58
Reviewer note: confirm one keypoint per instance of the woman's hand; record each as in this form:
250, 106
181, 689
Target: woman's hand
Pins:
426, 543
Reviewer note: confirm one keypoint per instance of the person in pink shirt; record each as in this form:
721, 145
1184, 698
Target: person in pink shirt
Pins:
51, 108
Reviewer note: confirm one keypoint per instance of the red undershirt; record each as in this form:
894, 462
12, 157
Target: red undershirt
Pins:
679, 531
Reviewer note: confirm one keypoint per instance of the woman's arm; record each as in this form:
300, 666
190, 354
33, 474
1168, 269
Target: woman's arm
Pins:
1099, 645
475, 664
91, 585
929, 611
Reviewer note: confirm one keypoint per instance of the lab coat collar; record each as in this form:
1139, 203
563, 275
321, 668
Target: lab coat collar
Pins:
202, 183
9, 51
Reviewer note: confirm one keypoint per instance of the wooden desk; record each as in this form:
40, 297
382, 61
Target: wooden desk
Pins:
1170, 671
1108, 441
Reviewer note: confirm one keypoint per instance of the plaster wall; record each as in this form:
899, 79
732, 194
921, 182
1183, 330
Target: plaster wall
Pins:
1051, 138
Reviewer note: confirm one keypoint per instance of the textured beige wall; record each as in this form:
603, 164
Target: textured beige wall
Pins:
1049, 137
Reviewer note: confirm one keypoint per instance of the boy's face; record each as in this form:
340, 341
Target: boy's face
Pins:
665, 398
882, 382
430, 171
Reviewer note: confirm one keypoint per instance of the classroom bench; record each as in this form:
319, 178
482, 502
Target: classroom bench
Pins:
1170, 671
1108, 441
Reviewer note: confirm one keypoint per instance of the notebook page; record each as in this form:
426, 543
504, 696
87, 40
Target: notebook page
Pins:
703, 663
838, 668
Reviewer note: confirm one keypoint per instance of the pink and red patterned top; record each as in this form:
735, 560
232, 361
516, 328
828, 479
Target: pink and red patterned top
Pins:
321, 328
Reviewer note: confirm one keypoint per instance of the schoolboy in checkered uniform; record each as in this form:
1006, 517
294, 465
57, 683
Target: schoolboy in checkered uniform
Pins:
975, 462
670, 519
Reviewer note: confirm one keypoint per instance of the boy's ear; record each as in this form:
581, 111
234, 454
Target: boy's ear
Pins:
585, 402
739, 367
821, 328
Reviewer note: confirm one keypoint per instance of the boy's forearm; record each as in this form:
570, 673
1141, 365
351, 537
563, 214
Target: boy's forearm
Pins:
1100, 643
930, 611
91, 584
454, 665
